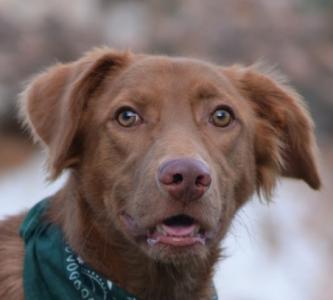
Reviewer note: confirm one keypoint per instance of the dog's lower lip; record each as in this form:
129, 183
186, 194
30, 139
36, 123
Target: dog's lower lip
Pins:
178, 236
176, 241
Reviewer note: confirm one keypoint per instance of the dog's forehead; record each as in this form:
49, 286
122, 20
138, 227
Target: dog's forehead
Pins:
175, 71
166, 63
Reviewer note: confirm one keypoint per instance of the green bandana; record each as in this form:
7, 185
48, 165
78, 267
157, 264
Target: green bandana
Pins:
53, 271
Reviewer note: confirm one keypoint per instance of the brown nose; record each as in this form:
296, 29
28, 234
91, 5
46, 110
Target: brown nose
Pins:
185, 179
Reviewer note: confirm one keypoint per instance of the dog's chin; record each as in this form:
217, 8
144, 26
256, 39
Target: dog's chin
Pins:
177, 239
176, 255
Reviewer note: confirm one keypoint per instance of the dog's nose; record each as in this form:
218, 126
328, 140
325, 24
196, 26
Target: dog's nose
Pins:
185, 179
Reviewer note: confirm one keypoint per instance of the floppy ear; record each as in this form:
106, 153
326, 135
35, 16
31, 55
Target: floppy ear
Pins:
284, 139
52, 104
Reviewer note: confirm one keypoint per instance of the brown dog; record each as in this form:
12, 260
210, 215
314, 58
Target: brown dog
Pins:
162, 152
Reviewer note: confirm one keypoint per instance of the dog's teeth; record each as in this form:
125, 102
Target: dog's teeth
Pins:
195, 231
160, 229
202, 240
151, 242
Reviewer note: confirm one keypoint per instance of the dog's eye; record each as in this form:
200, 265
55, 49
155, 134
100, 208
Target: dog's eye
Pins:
127, 117
222, 117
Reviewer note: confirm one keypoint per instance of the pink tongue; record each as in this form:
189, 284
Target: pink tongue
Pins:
178, 230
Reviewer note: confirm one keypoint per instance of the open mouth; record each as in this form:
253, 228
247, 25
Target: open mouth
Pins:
179, 230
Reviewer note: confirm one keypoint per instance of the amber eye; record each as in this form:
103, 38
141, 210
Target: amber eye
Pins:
127, 117
222, 117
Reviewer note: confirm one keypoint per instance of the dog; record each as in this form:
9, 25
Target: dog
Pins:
161, 153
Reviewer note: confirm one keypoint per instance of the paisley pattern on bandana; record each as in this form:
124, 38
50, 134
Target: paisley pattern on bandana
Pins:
88, 283
53, 271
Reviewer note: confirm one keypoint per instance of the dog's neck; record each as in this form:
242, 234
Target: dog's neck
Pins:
121, 262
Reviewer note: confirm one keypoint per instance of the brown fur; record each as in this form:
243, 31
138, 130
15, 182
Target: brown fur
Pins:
70, 110
11, 257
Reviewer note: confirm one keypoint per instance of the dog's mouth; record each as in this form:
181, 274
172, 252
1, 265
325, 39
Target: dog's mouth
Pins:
179, 230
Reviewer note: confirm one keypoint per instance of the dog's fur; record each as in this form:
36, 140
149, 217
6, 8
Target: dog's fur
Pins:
70, 110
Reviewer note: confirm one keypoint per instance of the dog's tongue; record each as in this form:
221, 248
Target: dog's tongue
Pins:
179, 230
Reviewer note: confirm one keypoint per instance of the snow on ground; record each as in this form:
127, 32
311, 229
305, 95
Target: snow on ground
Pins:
251, 271
21, 188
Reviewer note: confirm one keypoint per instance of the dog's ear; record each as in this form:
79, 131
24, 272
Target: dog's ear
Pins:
52, 104
284, 138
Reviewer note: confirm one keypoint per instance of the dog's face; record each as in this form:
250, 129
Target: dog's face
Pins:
177, 154
165, 150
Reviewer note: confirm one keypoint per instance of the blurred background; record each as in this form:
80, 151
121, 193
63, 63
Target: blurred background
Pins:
279, 251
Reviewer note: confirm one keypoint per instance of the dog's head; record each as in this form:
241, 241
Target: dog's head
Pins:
165, 150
